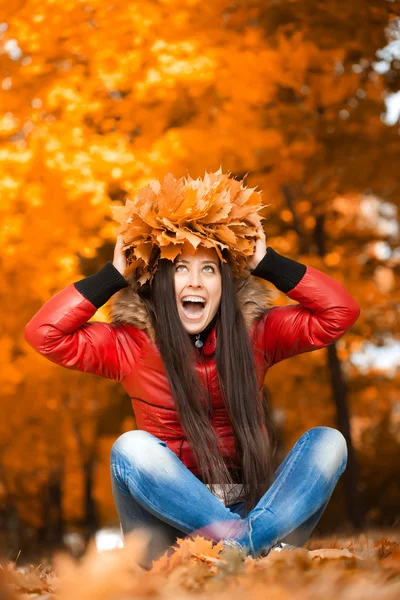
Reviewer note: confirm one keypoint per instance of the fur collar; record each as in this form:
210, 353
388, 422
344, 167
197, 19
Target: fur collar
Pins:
126, 306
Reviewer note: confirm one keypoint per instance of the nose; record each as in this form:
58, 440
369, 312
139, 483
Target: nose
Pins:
194, 279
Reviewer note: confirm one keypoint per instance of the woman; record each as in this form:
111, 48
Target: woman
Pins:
192, 345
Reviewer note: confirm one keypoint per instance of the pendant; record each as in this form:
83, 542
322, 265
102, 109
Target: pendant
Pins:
198, 343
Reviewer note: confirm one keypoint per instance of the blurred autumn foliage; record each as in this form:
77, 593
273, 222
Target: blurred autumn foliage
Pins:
357, 569
100, 97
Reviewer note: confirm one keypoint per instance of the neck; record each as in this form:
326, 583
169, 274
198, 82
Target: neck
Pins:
204, 333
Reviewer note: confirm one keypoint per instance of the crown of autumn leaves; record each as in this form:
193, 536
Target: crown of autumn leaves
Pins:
185, 214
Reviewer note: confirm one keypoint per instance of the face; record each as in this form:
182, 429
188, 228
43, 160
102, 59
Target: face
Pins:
197, 276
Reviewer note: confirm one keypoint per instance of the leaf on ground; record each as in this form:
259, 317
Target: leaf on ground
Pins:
332, 553
352, 569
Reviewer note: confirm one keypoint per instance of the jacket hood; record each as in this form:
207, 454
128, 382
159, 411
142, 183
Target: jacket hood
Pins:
126, 306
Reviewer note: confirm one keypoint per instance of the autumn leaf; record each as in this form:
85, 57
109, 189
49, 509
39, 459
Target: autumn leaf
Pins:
187, 210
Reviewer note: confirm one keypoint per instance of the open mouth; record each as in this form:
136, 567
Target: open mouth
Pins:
193, 309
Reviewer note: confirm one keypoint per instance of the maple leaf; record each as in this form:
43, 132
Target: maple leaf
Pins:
209, 212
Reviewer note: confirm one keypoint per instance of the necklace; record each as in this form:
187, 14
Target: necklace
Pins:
198, 343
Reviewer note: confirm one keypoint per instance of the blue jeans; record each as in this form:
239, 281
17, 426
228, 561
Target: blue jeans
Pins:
153, 489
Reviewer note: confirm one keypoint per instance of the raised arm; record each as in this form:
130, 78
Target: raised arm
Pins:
325, 311
60, 331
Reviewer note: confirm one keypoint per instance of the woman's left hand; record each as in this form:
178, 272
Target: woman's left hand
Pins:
261, 244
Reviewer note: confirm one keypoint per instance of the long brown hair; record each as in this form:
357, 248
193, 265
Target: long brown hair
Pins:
248, 410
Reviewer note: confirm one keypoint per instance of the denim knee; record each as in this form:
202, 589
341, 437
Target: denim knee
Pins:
134, 442
130, 440
332, 449
143, 451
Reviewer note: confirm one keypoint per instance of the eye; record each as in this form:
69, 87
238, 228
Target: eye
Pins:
209, 267
179, 266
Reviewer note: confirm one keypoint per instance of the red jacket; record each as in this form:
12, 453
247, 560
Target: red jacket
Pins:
124, 350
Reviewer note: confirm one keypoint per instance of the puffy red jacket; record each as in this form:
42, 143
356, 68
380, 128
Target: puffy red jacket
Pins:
124, 350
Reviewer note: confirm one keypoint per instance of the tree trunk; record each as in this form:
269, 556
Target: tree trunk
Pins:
350, 476
53, 514
339, 390
13, 528
91, 521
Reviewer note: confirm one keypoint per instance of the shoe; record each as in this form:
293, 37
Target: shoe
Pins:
227, 544
278, 547
232, 544
283, 546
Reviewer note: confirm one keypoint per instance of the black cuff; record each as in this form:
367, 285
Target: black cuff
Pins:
99, 288
283, 272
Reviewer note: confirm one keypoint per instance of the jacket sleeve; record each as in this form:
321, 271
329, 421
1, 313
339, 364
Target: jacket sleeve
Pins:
324, 313
60, 331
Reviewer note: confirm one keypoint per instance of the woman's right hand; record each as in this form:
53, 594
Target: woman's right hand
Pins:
119, 261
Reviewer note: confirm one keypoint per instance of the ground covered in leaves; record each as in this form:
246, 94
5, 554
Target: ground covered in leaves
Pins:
355, 568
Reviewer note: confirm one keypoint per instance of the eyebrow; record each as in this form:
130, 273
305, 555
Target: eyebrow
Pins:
203, 262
